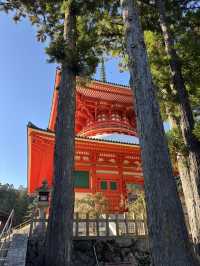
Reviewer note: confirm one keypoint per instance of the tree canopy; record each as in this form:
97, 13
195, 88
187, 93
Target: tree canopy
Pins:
17, 199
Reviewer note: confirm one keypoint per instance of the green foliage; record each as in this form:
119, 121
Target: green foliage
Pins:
196, 130
183, 18
159, 63
175, 143
94, 204
94, 19
16, 199
138, 206
32, 208
7, 197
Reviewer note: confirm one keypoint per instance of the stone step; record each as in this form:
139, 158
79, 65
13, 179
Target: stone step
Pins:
17, 252
3, 254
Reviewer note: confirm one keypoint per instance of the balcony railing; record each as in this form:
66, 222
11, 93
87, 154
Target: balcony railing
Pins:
108, 126
115, 225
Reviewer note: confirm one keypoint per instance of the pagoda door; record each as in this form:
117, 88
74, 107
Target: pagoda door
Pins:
111, 189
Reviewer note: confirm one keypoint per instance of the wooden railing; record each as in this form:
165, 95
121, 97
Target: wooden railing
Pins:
100, 226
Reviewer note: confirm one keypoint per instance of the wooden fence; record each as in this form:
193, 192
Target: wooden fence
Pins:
115, 225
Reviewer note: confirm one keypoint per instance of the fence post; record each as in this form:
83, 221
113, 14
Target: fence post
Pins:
31, 225
126, 224
117, 224
136, 227
97, 224
145, 227
87, 224
76, 223
31, 228
107, 225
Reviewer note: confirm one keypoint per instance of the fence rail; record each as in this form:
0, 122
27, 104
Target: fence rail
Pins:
5, 237
100, 226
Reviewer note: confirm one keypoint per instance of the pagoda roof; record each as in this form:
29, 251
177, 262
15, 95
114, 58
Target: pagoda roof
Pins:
105, 91
119, 138
94, 91
112, 83
92, 138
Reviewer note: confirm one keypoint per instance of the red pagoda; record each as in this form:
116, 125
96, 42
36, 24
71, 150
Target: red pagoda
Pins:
107, 153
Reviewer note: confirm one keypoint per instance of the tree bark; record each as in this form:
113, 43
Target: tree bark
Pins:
60, 226
192, 200
168, 235
187, 120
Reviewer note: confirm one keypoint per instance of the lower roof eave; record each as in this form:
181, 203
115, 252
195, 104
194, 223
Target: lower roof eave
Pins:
91, 139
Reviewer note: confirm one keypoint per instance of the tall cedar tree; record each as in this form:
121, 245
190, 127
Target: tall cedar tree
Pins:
184, 16
169, 240
191, 200
62, 203
75, 42
186, 116
187, 42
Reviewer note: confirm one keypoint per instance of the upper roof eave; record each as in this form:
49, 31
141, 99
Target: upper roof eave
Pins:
111, 83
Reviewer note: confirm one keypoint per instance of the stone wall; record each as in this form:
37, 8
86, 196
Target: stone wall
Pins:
107, 251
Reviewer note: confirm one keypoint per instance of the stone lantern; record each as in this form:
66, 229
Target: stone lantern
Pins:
43, 195
42, 203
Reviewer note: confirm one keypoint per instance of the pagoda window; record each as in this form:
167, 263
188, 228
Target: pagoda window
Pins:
103, 185
81, 179
113, 185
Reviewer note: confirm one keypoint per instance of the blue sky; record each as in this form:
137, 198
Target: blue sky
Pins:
26, 85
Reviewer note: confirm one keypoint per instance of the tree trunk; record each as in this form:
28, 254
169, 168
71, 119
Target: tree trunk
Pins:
187, 120
192, 200
168, 235
60, 227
